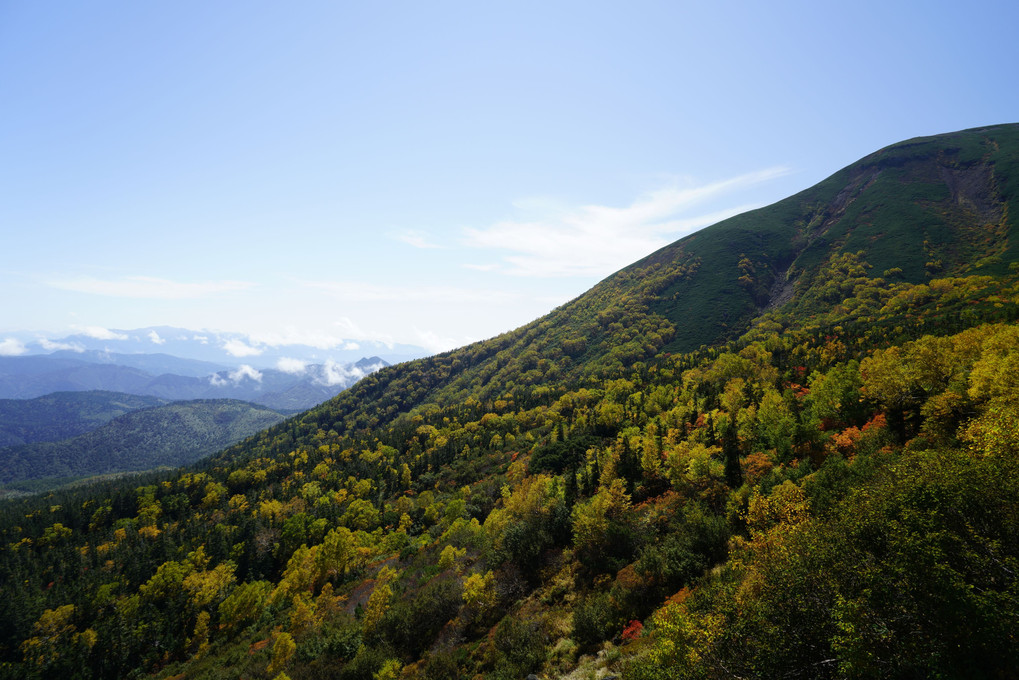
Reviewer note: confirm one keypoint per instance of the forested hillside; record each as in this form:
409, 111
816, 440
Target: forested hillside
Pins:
782, 447
170, 435
61, 415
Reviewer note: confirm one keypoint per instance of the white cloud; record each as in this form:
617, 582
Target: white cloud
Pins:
351, 346
239, 348
154, 337
243, 371
11, 347
202, 339
148, 287
100, 333
414, 238
292, 366
51, 346
332, 373
434, 342
595, 240
294, 336
350, 329
336, 374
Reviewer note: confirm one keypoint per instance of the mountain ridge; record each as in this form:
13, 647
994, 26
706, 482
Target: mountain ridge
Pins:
60, 415
166, 435
28, 377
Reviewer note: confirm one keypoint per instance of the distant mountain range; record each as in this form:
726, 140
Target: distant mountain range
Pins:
62, 415
298, 387
168, 435
224, 350
80, 411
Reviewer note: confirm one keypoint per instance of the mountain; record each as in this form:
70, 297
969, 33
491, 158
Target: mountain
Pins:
222, 349
784, 446
169, 435
34, 376
27, 377
61, 415
153, 364
922, 209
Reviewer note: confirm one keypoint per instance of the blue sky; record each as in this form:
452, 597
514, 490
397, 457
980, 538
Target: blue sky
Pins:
432, 173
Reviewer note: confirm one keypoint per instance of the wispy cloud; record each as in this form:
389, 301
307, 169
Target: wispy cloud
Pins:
435, 342
595, 240
11, 347
350, 329
52, 346
414, 238
154, 337
100, 333
147, 287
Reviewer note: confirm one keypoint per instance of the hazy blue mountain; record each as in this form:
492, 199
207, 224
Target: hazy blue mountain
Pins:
156, 364
64, 414
220, 348
170, 435
301, 387
29, 377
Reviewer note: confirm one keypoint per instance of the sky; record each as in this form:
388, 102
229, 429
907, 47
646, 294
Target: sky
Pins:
432, 173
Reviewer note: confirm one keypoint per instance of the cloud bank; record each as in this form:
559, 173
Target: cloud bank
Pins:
11, 347
291, 366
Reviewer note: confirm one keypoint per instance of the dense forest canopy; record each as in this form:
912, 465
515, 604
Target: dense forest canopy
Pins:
783, 447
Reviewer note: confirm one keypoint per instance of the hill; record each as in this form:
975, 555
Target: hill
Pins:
782, 447
63, 414
170, 435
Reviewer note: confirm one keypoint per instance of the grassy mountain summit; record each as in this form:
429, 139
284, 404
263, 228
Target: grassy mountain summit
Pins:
929, 207
784, 446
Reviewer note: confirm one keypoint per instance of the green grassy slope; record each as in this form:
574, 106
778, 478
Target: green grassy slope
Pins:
932, 207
